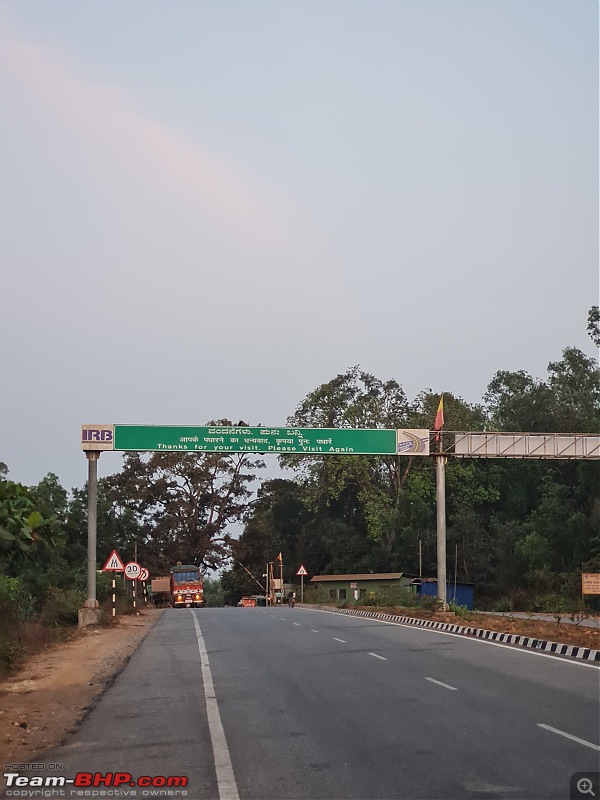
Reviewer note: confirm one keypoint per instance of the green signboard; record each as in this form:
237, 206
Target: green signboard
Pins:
231, 439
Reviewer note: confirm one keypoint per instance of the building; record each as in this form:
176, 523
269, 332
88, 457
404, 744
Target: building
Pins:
353, 587
461, 594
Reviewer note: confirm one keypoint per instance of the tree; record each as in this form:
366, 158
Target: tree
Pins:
22, 525
183, 502
594, 325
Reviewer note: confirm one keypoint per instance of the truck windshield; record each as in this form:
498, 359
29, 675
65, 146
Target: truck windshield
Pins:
184, 577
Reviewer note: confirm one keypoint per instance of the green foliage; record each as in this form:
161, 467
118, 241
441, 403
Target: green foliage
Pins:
593, 327
502, 604
61, 607
213, 593
15, 592
460, 611
427, 603
21, 524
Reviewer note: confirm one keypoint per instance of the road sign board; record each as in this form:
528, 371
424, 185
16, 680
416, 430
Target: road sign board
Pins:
302, 441
113, 563
132, 570
302, 570
144, 574
590, 583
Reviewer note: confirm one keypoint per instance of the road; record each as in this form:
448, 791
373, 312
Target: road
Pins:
283, 703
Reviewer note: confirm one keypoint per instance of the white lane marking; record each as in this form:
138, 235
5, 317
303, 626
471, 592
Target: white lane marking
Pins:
377, 656
296, 623
314, 631
335, 639
445, 685
283, 619
569, 736
223, 768
513, 648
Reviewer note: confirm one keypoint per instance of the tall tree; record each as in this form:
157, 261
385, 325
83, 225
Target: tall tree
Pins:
184, 502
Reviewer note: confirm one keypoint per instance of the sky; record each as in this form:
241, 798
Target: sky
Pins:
210, 208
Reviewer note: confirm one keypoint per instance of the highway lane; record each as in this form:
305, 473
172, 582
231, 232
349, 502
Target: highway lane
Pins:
320, 705
383, 730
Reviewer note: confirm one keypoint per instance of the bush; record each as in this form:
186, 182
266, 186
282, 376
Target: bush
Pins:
14, 590
460, 611
61, 607
503, 605
428, 603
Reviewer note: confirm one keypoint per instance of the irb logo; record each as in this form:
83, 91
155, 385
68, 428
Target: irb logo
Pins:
96, 435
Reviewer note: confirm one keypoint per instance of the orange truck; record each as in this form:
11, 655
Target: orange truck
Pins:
187, 587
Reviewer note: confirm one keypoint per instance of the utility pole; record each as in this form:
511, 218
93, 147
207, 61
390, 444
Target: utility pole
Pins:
90, 613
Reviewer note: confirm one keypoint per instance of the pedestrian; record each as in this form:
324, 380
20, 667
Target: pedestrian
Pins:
291, 598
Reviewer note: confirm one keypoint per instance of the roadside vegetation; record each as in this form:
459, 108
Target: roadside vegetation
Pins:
521, 531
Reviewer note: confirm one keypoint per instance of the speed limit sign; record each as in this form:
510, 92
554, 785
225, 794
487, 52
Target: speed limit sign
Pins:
144, 574
132, 570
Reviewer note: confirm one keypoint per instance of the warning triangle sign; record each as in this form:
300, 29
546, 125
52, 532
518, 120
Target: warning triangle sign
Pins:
113, 563
302, 570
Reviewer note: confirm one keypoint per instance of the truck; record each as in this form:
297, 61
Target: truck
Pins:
160, 589
187, 587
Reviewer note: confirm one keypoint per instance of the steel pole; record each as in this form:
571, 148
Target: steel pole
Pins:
92, 457
440, 496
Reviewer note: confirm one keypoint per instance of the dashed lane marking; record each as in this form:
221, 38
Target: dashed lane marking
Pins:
445, 685
569, 736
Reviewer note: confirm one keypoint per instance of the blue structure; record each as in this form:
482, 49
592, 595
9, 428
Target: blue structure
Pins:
465, 592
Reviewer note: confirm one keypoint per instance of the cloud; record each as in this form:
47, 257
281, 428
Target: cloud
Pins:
141, 155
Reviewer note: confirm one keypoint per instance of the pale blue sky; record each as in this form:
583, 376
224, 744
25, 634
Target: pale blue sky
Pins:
210, 208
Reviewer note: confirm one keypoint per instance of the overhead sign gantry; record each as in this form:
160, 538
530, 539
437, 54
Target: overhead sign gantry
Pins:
229, 439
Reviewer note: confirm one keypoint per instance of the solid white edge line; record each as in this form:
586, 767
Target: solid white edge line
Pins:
375, 655
445, 685
223, 767
512, 648
569, 736
343, 641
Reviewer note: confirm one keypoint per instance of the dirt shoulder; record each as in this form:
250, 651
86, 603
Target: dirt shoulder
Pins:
44, 700
537, 629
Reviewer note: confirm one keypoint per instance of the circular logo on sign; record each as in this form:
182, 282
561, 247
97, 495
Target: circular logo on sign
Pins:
132, 570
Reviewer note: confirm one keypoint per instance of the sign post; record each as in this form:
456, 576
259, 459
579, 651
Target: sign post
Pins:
132, 571
302, 572
113, 564
144, 575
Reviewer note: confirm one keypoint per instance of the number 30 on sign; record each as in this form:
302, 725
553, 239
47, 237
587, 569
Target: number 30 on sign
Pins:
132, 570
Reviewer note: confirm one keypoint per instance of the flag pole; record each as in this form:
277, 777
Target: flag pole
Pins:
281, 576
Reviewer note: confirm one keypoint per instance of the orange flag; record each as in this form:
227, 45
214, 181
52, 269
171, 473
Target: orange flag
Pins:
279, 558
439, 418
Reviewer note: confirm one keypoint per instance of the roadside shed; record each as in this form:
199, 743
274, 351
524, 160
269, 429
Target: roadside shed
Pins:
461, 594
355, 586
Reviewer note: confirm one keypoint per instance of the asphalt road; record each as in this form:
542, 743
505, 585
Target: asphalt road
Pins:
270, 704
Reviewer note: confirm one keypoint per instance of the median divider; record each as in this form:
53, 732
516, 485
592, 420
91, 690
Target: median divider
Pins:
573, 651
